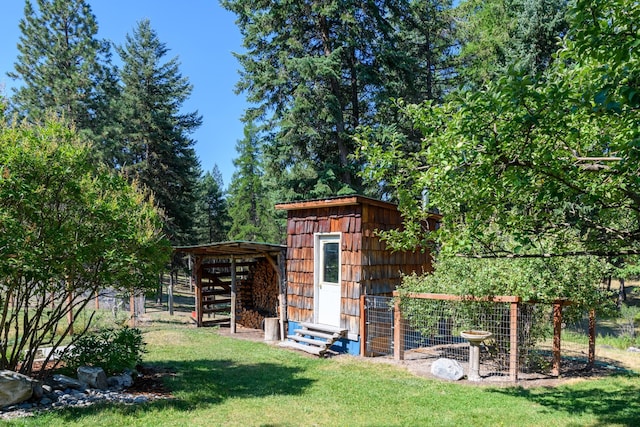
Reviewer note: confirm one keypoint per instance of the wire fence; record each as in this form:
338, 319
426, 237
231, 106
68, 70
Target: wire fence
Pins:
521, 343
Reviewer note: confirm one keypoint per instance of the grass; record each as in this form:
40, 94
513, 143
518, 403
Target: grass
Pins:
221, 381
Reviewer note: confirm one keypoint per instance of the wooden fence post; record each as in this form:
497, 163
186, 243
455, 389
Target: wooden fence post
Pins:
398, 332
557, 331
513, 341
233, 295
197, 270
170, 294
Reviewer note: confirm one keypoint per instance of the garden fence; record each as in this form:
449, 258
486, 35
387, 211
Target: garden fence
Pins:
525, 337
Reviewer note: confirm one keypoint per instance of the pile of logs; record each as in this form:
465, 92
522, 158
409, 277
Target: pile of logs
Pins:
250, 319
265, 287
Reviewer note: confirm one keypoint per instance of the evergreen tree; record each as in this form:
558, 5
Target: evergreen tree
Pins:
63, 67
496, 35
317, 71
212, 215
156, 147
420, 65
3, 102
251, 209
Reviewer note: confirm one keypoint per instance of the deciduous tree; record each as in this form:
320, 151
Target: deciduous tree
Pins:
536, 166
68, 230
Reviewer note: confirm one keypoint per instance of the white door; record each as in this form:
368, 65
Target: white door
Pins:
327, 279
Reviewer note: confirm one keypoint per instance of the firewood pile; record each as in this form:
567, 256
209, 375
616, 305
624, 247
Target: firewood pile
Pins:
250, 319
264, 288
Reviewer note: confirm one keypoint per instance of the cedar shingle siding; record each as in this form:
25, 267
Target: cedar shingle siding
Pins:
368, 266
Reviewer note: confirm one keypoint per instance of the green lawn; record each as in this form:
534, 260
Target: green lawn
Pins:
222, 381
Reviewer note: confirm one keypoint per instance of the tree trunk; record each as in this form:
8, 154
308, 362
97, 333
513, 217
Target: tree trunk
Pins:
622, 293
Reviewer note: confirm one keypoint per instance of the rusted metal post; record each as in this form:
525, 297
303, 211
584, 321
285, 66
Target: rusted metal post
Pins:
363, 327
592, 339
513, 341
398, 332
557, 331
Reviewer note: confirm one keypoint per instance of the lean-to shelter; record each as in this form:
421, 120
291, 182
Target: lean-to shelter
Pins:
226, 281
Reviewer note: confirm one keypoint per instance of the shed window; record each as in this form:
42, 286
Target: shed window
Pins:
331, 267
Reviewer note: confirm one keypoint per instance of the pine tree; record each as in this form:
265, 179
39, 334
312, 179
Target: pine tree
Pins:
316, 71
496, 35
251, 209
63, 67
155, 145
419, 65
212, 216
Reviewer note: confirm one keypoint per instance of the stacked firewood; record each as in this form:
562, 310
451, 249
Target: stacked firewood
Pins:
265, 287
250, 319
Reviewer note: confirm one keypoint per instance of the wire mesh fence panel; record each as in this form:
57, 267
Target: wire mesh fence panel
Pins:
379, 321
432, 330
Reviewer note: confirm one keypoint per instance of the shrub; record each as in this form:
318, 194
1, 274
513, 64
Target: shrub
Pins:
114, 350
69, 228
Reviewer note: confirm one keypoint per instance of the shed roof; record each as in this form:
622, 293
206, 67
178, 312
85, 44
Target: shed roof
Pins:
351, 200
234, 248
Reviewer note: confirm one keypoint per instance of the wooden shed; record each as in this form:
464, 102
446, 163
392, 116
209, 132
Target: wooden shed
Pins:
334, 256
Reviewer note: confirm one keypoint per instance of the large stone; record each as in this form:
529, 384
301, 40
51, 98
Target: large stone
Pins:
14, 388
447, 369
92, 376
64, 382
119, 382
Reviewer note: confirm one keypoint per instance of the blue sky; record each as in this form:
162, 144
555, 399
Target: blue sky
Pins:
200, 32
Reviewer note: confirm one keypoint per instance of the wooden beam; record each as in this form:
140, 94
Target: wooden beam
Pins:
233, 295
398, 332
447, 297
513, 341
197, 268
282, 294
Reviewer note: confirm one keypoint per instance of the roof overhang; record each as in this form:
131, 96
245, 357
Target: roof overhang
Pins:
334, 202
352, 200
235, 248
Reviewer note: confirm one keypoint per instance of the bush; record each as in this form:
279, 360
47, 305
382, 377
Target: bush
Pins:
114, 350
69, 228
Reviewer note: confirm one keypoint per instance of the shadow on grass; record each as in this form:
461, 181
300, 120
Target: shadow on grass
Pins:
202, 383
612, 403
